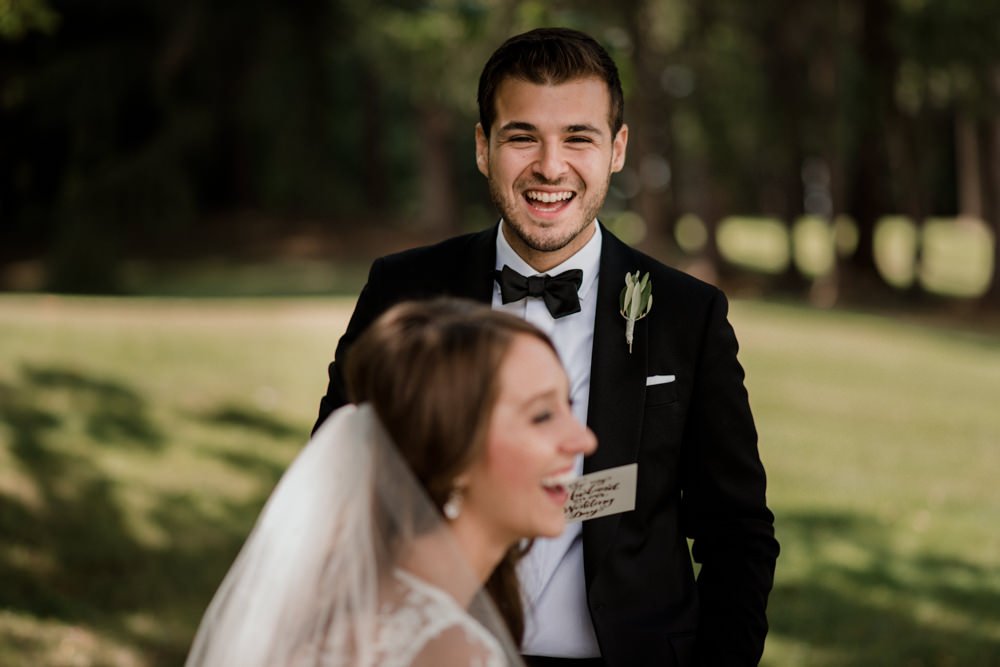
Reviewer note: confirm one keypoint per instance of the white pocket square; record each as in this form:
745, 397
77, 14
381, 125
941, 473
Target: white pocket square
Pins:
659, 379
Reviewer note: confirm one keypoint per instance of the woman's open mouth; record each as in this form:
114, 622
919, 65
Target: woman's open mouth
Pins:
556, 486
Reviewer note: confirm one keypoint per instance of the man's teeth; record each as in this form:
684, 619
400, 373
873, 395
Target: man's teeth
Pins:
562, 479
548, 197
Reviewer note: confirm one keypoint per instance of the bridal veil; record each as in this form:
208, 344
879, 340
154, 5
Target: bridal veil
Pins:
349, 563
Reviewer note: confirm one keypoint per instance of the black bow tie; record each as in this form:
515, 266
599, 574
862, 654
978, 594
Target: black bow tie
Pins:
558, 292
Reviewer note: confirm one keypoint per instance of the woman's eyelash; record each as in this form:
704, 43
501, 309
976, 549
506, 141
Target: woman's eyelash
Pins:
541, 417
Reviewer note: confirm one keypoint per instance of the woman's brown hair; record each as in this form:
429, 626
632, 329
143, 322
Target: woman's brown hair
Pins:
431, 370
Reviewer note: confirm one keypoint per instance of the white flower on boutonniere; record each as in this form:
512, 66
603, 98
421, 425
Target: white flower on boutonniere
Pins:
635, 302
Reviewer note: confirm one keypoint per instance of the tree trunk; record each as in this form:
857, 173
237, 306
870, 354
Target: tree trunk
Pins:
787, 80
373, 170
439, 196
991, 199
650, 140
697, 190
970, 191
915, 184
868, 198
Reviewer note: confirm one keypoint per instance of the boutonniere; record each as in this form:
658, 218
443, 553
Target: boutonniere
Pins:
635, 302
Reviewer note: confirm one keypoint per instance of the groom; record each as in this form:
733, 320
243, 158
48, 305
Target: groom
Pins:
618, 590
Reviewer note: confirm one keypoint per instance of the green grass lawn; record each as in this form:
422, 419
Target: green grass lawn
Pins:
882, 444
139, 437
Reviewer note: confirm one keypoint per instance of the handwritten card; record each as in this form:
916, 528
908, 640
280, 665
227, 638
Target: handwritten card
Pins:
602, 493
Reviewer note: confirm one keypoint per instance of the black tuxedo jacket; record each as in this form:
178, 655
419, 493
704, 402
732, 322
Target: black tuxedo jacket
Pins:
700, 474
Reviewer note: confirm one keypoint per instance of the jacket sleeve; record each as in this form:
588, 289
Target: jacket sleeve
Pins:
724, 509
369, 306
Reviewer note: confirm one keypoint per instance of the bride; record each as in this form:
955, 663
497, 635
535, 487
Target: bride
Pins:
393, 537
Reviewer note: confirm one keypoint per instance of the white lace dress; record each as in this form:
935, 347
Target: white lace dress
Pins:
422, 626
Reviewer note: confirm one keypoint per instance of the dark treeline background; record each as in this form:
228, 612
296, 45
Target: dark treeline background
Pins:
158, 130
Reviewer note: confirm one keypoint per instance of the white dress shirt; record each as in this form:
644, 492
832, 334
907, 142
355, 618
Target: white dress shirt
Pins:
557, 622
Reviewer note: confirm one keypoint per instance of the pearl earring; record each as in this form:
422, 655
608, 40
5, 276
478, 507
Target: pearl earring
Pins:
453, 506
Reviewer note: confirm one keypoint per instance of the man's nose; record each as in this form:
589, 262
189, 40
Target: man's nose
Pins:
551, 163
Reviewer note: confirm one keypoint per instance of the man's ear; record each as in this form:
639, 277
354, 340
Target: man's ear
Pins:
618, 149
482, 151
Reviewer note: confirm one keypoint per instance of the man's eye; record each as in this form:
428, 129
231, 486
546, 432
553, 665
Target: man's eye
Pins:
580, 140
520, 140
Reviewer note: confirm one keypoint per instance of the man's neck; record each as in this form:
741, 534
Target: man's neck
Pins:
541, 260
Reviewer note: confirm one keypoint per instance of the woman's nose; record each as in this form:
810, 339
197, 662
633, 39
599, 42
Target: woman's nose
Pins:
581, 441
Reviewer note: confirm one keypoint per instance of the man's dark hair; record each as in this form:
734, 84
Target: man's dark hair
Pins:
549, 56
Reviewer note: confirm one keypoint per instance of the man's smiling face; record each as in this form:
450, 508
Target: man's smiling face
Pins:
549, 159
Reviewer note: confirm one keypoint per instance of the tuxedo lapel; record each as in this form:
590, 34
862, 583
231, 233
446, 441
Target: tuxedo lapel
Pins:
617, 386
474, 278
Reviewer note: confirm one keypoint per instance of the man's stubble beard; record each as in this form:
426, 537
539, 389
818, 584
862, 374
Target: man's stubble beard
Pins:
506, 208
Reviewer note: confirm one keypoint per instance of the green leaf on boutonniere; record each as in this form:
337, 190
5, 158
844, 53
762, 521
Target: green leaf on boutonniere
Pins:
635, 302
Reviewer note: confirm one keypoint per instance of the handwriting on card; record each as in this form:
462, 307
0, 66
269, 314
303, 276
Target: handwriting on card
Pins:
602, 493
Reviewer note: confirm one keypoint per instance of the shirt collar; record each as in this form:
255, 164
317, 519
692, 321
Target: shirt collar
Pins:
587, 259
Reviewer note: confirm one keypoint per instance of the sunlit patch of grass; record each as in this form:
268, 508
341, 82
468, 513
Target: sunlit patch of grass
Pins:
949, 257
896, 242
690, 233
814, 246
757, 243
957, 257
27, 641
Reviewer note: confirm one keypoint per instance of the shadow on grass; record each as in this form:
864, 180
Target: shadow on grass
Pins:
253, 420
70, 551
114, 413
878, 605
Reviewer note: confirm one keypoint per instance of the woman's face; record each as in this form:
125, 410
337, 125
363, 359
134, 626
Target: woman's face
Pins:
516, 488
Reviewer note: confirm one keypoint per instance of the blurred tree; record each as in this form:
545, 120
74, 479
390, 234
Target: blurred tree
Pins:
133, 127
869, 78
433, 50
734, 137
135, 122
948, 91
704, 136
18, 17
991, 170
83, 163
655, 30
792, 40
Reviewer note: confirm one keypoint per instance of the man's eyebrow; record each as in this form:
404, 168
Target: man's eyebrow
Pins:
522, 126
518, 126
